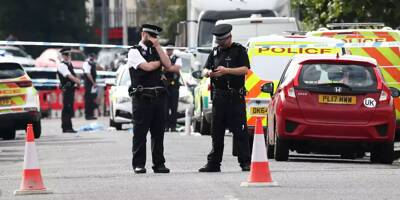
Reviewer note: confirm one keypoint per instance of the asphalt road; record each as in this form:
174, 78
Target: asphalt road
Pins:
97, 165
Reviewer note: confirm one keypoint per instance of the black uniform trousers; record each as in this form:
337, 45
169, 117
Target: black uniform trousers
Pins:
90, 103
172, 107
68, 108
148, 114
229, 111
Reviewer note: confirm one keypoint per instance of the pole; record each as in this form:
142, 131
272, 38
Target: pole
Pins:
124, 24
104, 21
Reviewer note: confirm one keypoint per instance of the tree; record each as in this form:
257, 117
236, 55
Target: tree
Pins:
44, 20
166, 13
317, 13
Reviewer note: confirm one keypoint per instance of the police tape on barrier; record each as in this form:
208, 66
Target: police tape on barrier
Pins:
320, 45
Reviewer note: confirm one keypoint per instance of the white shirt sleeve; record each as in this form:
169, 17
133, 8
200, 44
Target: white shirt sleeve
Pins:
63, 69
86, 67
178, 62
135, 58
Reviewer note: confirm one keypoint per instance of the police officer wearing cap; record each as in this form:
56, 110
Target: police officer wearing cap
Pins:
172, 76
227, 66
90, 73
68, 82
145, 62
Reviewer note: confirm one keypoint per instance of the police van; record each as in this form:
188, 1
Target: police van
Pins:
268, 57
242, 30
372, 38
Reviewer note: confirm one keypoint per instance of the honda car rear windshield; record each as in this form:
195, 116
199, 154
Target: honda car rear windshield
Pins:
10, 70
353, 76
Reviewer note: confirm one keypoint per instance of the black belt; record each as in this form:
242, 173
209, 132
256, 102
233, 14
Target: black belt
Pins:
230, 92
149, 92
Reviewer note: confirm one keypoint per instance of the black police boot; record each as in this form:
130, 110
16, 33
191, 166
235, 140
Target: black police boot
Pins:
210, 168
69, 131
245, 167
91, 118
160, 169
139, 170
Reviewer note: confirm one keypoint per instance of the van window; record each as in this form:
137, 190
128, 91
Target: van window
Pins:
269, 67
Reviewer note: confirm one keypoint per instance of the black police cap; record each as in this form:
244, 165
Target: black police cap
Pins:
153, 30
65, 50
222, 31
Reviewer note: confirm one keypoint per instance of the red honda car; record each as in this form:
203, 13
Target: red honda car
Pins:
331, 105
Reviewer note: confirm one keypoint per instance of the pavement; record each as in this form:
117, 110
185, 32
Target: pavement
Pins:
97, 165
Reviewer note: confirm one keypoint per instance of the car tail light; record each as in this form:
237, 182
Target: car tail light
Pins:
290, 92
24, 84
384, 96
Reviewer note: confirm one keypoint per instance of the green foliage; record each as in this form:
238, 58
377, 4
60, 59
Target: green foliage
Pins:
317, 13
166, 13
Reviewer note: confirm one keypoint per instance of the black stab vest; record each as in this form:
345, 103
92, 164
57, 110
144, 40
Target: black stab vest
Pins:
145, 78
93, 72
65, 81
172, 76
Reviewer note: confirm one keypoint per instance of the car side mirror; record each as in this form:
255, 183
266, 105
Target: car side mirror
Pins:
268, 88
395, 92
197, 74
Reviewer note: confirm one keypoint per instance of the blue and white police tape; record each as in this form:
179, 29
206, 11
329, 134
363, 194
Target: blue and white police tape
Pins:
319, 45
65, 44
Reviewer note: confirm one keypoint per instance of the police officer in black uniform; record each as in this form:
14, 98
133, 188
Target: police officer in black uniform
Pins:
68, 81
227, 66
90, 73
145, 62
172, 76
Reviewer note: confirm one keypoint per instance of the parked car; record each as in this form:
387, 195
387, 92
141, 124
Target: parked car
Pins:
18, 55
332, 105
120, 101
51, 57
19, 101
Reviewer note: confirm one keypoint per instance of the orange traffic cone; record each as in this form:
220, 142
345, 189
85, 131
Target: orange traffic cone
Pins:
32, 182
260, 174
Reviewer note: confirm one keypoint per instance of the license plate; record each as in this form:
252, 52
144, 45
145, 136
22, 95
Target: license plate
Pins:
336, 99
5, 101
258, 110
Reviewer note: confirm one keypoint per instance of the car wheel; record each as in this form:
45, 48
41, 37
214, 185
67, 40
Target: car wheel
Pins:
270, 150
9, 134
386, 153
374, 158
118, 126
37, 129
348, 155
112, 123
281, 150
205, 127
